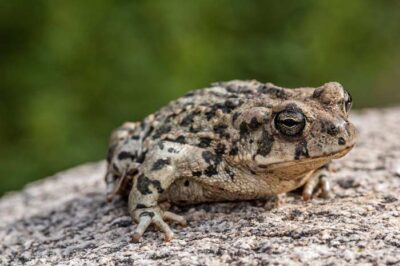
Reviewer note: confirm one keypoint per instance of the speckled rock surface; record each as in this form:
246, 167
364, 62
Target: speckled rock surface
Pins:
65, 220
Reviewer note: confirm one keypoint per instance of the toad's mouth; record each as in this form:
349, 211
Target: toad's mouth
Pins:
303, 165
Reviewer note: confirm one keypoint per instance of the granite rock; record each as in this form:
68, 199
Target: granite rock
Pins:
65, 219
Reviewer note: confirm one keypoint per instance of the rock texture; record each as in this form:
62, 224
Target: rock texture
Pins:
65, 220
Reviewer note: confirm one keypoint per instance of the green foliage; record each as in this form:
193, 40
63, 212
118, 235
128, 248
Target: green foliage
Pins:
71, 71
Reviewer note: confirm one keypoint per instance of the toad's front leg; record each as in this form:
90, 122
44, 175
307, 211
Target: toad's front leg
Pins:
157, 173
319, 179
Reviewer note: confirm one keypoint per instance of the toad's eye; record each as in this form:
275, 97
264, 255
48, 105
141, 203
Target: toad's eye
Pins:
290, 123
348, 103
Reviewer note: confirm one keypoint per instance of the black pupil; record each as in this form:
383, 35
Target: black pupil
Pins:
290, 122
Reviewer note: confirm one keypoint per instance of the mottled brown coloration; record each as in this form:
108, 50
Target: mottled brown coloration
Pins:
236, 140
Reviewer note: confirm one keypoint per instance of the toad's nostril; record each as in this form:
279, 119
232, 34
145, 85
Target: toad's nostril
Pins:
333, 130
341, 141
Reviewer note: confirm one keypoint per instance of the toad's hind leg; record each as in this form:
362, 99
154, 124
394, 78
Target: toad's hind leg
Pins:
158, 172
120, 167
319, 179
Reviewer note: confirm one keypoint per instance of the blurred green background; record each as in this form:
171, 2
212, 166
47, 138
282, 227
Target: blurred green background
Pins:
71, 71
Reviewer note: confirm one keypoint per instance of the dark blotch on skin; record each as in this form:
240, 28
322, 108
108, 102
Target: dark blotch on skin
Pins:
208, 156
301, 150
213, 161
317, 92
220, 130
187, 183
273, 91
115, 167
148, 132
229, 106
188, 120
142, 157
160, 163
124, 155
172, 150
196, 173
150, 214
341, 141
160, 144
244, 130
235, 117
181, 140
234, 151
210, 114
135, 137
265, 144
161, 131
170, 117
292, 107
220, 150
141, 206
204, 142
254, 124
211, 170
132, 172
226, 107
144, 182
230, 173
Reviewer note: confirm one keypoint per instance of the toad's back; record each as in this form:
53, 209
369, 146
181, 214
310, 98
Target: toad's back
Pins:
211, 110
198, 118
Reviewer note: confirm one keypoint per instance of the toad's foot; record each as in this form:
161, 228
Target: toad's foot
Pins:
318, 184
155, 216
275, 202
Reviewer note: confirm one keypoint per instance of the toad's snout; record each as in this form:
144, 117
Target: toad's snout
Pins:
340, 130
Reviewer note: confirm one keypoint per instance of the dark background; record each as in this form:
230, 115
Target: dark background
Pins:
71, 71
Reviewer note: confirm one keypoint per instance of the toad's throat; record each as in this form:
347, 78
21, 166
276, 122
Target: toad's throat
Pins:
299, 167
